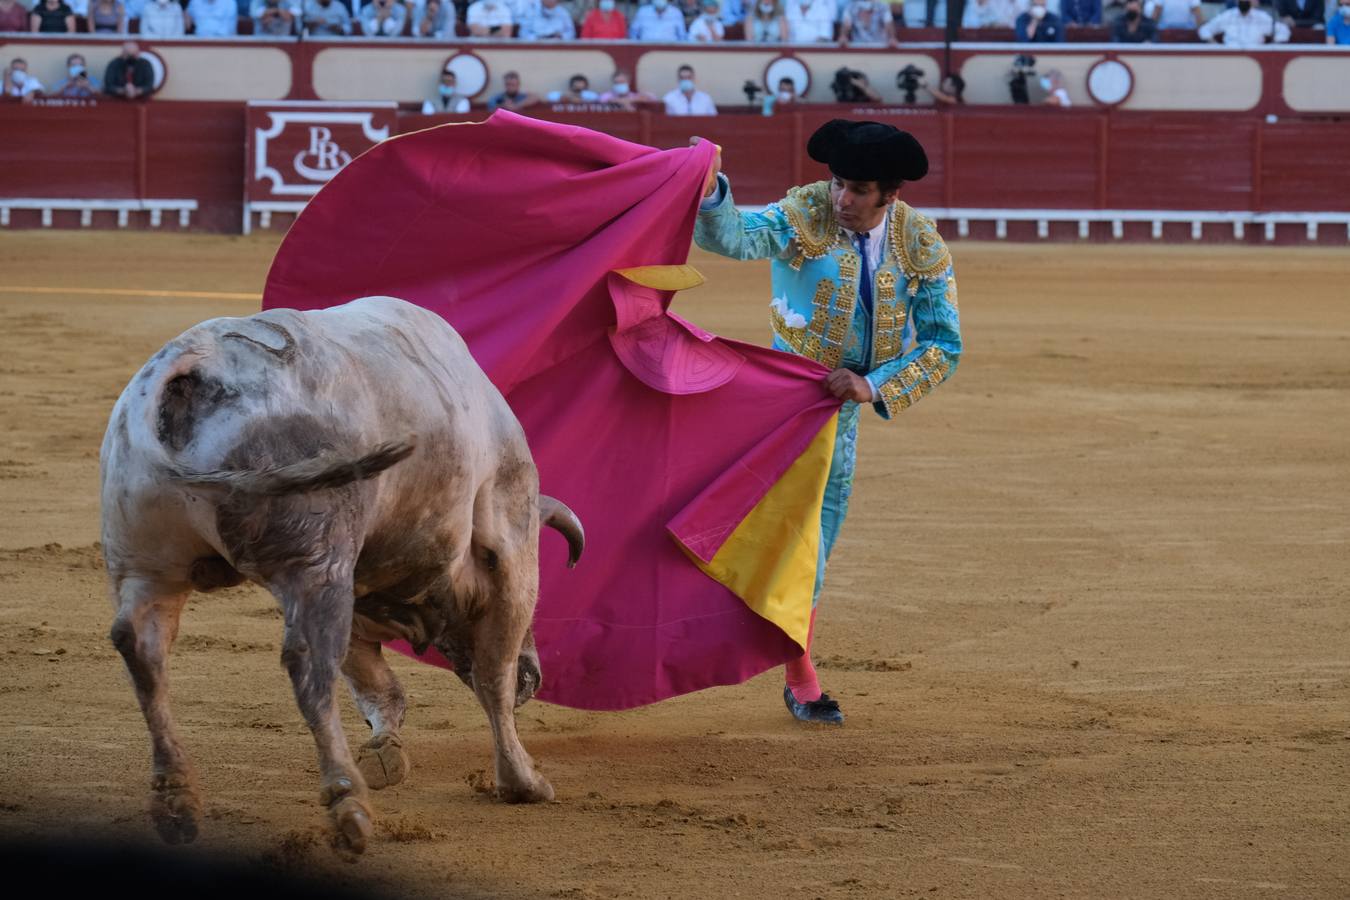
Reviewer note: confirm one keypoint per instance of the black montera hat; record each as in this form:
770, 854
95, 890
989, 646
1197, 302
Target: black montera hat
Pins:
868, 151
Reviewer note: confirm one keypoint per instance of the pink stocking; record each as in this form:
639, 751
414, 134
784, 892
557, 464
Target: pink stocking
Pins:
801, 675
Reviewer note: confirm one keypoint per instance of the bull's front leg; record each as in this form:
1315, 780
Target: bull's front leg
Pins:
498, 636
317, 603
382, 759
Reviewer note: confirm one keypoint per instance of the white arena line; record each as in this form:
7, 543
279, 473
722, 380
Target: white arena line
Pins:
130, 292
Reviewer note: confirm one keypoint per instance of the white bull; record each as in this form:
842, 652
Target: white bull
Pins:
247, 449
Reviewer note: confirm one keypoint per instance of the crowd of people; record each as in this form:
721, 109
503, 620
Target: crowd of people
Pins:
1241, 23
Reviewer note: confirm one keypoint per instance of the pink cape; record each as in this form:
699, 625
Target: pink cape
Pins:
660, 436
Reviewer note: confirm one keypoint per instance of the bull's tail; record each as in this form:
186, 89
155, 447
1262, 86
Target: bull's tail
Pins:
322, 472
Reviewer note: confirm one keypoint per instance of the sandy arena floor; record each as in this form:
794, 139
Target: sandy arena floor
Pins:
1089, 619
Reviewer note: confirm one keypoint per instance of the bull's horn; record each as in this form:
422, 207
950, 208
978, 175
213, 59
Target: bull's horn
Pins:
556, 515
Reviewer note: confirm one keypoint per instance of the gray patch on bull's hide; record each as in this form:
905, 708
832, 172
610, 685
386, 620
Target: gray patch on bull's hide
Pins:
265, 534
185, 401
285, 353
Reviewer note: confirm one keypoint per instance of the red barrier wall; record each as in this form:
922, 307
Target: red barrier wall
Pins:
993, 158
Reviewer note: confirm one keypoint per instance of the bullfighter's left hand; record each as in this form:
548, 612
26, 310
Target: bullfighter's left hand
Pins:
847, 385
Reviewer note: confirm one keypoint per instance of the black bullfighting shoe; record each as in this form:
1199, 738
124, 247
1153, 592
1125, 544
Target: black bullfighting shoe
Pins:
825, 710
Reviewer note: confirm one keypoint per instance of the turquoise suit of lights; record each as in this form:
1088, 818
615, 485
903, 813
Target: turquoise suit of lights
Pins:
816, 311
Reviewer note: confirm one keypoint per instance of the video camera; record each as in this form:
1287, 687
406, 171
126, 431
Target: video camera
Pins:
908, 80
1023, 67
752, 90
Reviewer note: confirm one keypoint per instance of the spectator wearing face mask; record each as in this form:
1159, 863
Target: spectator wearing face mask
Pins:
326, 17
1245, 27
447, 98
766, 24
1301, 13
658, 22
1038, 25
1133, 27
867, 22
687, 99
548, 22
604, 22
810, 21
1338, 29
18, 84
622, 95
383, 18
782, 99
77, 82
1055, 93
162, 19
708, 28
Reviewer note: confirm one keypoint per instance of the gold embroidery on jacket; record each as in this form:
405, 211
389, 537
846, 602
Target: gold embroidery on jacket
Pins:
916, 243
915, 381
810, 212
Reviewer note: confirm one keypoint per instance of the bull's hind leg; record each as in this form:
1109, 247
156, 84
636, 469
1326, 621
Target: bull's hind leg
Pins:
497, 640
382, 759
143, 631
317, 603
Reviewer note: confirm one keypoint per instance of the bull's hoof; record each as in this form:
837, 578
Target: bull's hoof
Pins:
175, 808
537, 790
382, 761
351, 826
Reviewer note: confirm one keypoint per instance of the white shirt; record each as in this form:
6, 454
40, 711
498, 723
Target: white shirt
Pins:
1175, 13
813, 25
495, 17
1246, 31
699, 104
991, 14
162, 19
703, 30
30, 85
214, 18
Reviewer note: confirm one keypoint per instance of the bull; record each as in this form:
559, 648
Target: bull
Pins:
358, 464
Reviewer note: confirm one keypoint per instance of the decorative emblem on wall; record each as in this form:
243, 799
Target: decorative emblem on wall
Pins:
1110, 82
471, 73
299, 150
787, 66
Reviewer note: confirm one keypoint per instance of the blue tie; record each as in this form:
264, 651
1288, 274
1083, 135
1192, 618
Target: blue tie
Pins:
865, 284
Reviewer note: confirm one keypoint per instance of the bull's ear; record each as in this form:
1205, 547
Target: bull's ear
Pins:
664, 278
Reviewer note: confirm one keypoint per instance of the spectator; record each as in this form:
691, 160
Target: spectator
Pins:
783, 99
77, 82
622, 95
733, 11
867, 22
1338, 29
1302, 13
107, 17
989, 14
1080, 12
1174, 13
18, 83
13, 16
810, 21
1055, 92
129, 75
1245, 27
383, 18
213, 18
950, 93
851, 86
656, 22
163, 19
708, 28
1133, 27
52, 17
767, 24
274, 18
1038, 25
326, 17
687, 99
548, 22
489, 18
690, 9
432, 19
604, 23
447, 99
578, 91
513, 98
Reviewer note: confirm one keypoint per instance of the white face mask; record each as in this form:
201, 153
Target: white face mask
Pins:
18, 76
76, 70
786, 96
621, 88
1037, 12
1045, 83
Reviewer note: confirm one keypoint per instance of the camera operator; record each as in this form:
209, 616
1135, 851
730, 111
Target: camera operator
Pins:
852, 86
1023, 68
949, 93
